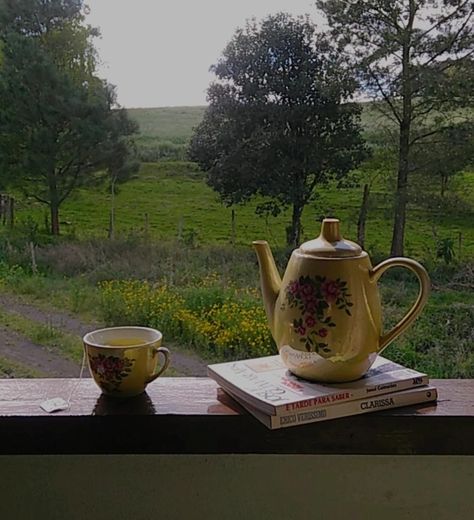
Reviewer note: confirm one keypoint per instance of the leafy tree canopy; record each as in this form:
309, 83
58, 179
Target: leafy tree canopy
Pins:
59, 122
278, 122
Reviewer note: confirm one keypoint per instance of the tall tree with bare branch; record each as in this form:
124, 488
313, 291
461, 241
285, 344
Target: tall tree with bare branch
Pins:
415, 56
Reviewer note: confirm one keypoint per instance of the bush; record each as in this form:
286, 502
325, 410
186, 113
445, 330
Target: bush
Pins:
161, 151
441, 342
225, 324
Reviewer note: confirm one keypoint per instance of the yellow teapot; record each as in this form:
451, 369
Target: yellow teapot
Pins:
325, 315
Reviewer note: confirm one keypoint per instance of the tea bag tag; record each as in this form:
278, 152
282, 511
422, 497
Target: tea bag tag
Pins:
54, 405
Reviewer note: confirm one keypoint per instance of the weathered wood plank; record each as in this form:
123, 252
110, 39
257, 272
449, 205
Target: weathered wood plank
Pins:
172, 395
183, 415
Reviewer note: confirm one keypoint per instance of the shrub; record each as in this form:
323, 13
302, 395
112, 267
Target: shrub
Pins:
226, 324
441, 342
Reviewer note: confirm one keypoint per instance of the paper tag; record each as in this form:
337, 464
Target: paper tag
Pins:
54, 405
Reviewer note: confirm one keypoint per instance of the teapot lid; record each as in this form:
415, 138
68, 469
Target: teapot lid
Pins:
330, 242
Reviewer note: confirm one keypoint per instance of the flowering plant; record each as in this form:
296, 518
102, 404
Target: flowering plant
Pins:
313, 297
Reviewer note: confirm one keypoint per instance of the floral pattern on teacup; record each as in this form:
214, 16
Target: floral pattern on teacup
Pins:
111, 370
313, 297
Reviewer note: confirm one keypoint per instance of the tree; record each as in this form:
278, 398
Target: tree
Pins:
445, 154
278, 123
58, 123
415, 56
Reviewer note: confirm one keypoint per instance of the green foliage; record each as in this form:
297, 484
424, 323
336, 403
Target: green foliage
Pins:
445, 250
221, 323
223, 319
44, 334
446, 154
9, 369
57, 123
152, 150
416, 59
278, 124
441, 341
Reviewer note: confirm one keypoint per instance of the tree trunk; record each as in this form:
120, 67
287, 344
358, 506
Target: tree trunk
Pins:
364, 208
54, 202
444, 184
401, 196
293, 235
54, 207
398, 236
111, 233
232, 229
11, 211
3, 208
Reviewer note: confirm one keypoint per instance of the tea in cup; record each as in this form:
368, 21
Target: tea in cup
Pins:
123, 360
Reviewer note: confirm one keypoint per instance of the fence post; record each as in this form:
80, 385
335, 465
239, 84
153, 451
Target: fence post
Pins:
232, 232
180, 228
34, 267
3, 208
147, 225
11, 211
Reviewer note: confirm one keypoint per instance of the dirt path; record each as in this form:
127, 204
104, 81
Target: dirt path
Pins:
18, 349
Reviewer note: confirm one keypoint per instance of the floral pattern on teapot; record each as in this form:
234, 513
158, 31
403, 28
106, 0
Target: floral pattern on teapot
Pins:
313, 297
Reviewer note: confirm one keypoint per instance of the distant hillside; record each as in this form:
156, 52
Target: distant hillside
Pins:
174, 124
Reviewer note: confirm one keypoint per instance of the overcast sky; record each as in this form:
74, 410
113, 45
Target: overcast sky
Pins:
158, 52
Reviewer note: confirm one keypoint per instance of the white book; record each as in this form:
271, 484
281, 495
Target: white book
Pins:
267, 385
372, 404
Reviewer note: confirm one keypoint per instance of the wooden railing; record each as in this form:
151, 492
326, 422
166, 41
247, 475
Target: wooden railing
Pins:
187, 417
177, 452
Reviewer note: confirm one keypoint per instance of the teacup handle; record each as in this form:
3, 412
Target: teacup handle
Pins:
411, 315
166, 356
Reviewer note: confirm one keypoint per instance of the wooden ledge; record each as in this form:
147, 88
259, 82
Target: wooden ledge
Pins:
183, 416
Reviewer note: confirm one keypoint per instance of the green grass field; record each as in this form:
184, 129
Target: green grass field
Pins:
173, 200
170, 199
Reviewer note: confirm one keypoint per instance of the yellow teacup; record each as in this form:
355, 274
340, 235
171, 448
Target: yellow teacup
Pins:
123, 360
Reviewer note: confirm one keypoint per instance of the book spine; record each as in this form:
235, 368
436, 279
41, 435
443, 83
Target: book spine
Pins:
371, 404
372, 391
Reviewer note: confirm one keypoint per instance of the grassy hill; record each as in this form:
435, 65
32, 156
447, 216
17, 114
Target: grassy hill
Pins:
173, 124
176, 123
165, 131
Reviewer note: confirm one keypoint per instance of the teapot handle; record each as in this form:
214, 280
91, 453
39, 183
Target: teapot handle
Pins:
425, 287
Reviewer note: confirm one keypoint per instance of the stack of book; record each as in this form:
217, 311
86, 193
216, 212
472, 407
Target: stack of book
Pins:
277, 398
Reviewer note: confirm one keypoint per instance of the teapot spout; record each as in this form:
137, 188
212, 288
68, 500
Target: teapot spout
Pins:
269, 278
